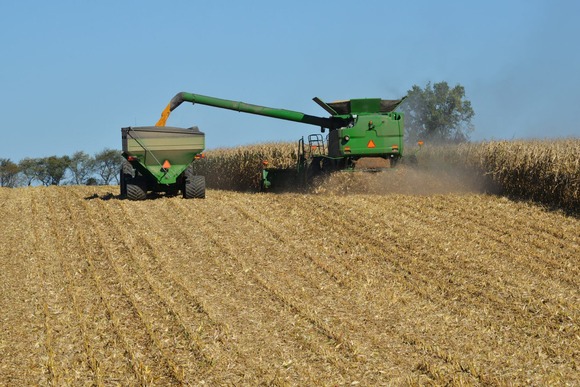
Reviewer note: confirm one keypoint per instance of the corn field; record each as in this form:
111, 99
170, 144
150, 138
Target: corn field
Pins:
239, 168
546, 171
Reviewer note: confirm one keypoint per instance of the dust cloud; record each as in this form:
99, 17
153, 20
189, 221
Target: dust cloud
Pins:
406, 180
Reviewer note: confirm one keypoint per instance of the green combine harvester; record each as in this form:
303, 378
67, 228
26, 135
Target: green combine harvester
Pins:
364, 134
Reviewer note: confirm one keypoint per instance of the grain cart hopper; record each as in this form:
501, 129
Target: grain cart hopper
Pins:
158, 159
359, 129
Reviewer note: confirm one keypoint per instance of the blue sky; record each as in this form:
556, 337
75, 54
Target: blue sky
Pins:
75, 72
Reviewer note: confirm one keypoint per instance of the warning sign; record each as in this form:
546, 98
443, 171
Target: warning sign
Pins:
371, 144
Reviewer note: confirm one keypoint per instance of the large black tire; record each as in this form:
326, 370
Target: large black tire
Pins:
136, 191
123, 184
194, 187
126, 174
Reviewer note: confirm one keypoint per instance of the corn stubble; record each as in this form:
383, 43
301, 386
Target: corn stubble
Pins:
446, 287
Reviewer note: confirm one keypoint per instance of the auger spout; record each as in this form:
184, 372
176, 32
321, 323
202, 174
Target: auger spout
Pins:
283, 114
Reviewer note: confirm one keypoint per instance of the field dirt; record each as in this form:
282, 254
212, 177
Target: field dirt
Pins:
287, 289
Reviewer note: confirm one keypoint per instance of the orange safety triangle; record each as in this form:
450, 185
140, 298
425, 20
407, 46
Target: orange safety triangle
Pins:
371, 144
166, 164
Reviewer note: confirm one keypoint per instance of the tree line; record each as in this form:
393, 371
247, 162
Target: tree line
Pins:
80, 168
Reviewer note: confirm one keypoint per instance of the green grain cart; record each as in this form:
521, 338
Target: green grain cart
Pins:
158, 159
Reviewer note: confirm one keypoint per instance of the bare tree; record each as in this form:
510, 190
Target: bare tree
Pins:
29, 169
81, 167
107, 165
8, 173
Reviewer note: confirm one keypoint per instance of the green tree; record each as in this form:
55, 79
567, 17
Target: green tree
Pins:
437, 113
92, 181
8, 173
41, 169
107, 165
30, 169
81, 167
53, 169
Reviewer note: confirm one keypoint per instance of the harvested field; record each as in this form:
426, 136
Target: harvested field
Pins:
289, 289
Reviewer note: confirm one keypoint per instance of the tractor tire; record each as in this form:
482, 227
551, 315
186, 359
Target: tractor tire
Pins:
123, 184
136, 190
194, 188
126, 174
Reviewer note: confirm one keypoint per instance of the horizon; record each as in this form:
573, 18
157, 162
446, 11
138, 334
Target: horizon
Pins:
75, 74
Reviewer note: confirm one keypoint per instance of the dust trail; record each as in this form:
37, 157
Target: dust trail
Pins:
406, 180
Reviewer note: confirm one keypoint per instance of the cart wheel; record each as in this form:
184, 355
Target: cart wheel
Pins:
126, 174
135, 192
136, 188
123, 184
194, 186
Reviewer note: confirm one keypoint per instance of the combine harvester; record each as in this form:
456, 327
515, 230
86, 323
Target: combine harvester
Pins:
364, 134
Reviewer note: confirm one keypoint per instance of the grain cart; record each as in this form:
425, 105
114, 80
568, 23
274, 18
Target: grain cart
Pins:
360, 130
158, 159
